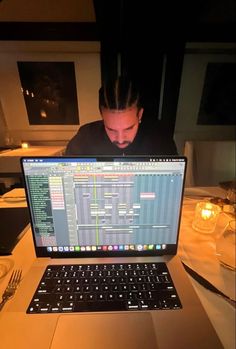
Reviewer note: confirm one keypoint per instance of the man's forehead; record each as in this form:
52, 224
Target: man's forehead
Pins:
119, 127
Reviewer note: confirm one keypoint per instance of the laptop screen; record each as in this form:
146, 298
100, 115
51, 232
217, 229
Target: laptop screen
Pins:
103, 206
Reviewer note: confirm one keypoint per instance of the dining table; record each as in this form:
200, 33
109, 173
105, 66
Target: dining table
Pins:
10, 167
199, 251
10, 158
196, 250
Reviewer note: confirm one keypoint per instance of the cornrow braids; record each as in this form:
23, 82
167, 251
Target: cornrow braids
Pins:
119, 94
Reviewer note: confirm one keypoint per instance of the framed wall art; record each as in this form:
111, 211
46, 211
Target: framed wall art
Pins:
49, 89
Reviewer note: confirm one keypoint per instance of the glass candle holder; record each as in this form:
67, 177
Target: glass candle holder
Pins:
206, 215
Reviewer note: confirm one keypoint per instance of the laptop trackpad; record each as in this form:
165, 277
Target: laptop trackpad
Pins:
110, 330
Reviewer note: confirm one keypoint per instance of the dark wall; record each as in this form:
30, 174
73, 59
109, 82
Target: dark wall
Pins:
139, 40
138, 37
141, 35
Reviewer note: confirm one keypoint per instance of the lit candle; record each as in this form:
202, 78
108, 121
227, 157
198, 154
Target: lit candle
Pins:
207, 212
206, 215
24, 145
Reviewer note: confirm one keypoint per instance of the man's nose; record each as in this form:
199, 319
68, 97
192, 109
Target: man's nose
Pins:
120, 137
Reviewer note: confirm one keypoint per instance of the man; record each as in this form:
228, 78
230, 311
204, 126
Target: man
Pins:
121, 131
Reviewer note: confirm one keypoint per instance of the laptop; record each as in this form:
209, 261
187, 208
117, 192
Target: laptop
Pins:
107, 274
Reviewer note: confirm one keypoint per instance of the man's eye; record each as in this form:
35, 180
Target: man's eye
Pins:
110, 130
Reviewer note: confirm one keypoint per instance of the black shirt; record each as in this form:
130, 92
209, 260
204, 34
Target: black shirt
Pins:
92, 139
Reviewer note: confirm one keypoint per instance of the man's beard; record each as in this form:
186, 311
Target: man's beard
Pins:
122, 145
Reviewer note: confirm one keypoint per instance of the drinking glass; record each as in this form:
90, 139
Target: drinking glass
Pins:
226, 246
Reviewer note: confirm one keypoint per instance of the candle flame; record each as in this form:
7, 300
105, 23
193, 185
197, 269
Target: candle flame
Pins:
24, 145
206, 214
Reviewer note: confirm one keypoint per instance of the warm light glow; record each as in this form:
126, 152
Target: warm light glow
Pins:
43, 113
24, 145
206, 215
207, 212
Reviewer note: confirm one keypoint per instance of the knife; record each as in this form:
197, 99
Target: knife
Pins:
205, 283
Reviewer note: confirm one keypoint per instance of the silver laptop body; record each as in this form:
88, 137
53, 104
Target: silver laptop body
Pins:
93, 210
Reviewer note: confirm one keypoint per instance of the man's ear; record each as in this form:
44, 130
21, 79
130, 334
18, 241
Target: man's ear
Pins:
140, 114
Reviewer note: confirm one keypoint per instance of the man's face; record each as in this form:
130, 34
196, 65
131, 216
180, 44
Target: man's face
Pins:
122, 125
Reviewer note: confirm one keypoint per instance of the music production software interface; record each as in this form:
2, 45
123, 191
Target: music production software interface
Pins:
85, 205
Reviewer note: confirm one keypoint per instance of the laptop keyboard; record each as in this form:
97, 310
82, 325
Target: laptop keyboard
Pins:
104, 287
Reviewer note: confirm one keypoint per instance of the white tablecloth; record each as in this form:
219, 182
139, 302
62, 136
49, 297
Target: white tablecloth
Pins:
198, 251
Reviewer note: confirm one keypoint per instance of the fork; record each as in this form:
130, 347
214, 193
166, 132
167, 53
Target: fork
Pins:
11, 287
